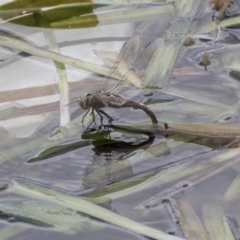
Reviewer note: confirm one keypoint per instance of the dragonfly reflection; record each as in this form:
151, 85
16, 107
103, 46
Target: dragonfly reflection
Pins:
108, 163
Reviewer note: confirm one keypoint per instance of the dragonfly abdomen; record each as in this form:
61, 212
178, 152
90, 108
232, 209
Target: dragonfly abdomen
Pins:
139, 106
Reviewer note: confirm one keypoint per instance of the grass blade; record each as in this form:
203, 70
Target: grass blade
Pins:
38, 192
61, 70
11, 231
44, 53
215, 222
189, 221
233, 191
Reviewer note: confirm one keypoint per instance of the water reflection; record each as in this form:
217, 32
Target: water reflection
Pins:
108, 164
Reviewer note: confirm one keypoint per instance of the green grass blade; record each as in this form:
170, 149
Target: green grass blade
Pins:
61, 70
189, 221
11, 231
215, 222
38, 192
233, 191
44, 53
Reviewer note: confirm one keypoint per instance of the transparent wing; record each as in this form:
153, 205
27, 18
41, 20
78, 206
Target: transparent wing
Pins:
127, 55
132, 76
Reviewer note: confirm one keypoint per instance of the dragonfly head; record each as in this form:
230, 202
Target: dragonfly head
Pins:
83, 102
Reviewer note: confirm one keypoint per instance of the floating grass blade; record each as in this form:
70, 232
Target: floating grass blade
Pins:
138, 185
189, 221
11, 231
219, 161
119, 189
233, 191
47, 214
230, 223
215, 221
41, 193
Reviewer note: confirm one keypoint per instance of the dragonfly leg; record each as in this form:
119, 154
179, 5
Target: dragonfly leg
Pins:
84, 116
101, 117
93, 119
93, 116
110, 119
90, 124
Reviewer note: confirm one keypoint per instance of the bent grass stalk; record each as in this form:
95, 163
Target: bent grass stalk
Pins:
60, 67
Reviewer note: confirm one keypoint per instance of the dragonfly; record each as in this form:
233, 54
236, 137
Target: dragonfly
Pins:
128, 68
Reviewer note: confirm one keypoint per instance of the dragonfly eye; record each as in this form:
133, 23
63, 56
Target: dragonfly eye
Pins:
83, 102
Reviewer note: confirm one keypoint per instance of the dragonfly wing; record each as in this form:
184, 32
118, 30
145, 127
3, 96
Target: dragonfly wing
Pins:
153, 65
107, 57
127, 55
145, 56
133, 76
129, 51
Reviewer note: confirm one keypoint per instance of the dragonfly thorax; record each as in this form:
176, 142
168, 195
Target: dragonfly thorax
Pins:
94, 101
